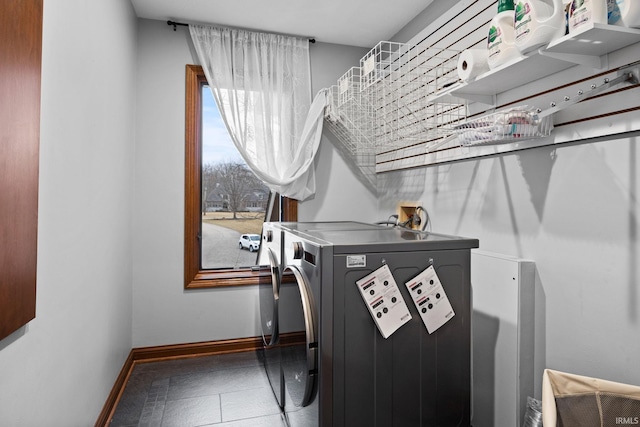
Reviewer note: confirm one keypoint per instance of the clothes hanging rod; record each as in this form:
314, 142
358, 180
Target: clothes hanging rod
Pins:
176, 24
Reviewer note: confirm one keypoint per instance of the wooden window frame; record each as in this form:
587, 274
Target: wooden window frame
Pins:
194, 276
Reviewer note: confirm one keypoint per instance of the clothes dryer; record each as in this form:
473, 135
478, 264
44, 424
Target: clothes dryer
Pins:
270, 255
289, 336
340, 371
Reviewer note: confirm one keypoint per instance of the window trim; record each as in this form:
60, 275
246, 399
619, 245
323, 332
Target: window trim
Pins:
194, 276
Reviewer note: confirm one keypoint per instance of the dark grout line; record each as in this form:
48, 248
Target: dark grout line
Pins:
144, 401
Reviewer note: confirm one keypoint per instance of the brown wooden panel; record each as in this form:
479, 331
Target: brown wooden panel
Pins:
20, 59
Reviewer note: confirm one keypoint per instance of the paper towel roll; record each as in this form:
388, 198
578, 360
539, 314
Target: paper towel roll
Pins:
472, 63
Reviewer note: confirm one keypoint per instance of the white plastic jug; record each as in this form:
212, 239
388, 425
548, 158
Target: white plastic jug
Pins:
624, 12
501, 45
587, 12
537, 23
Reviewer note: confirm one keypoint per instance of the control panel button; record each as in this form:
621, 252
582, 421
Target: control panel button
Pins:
298, 250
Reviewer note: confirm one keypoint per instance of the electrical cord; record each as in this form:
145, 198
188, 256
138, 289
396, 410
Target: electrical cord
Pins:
407, 223
414, 219
396, 223
388, 221
427, 219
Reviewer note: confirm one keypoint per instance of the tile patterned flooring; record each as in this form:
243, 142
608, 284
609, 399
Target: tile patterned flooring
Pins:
228, 390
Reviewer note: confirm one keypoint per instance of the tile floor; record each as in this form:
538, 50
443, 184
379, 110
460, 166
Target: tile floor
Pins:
229, 390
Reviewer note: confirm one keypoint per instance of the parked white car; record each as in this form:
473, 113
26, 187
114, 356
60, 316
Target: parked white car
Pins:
249, 241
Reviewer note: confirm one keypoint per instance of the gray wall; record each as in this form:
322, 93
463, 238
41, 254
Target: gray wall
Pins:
163, 313
574, 210
340, 196
59, 369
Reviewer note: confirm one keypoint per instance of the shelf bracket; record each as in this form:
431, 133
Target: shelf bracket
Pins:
475, 97
439, 143
629, 75
586, 60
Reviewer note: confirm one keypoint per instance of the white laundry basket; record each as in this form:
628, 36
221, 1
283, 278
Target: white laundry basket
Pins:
570, 400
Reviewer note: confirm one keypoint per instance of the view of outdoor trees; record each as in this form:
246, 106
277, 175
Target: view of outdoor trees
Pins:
233, 200
232, 187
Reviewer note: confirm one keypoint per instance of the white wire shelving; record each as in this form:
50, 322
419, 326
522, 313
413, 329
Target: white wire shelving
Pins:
384, 104
525, 123
510, 125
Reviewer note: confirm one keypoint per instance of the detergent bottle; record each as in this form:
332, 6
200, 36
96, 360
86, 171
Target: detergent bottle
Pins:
537, 23
587, 12
624, 12
501, 39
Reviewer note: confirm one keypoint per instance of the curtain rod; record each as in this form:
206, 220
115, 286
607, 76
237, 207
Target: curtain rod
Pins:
176, 24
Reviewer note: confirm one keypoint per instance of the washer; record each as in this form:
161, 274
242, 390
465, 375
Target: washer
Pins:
271, 255
337, 369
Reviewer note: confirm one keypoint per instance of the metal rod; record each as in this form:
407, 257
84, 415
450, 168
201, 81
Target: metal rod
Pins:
176, 24
626, 76
439, 143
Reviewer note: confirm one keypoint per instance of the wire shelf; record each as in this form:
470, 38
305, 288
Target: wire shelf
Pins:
347, 117
409, 67
384, 104
397, 79
512, 125
349, 86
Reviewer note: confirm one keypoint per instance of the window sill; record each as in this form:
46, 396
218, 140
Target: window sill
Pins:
229, 277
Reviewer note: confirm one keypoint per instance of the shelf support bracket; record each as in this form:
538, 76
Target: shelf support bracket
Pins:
439, 143
586, 60
475, 97
629, 75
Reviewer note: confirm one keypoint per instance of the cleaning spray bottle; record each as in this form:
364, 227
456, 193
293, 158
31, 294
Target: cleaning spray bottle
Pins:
624, 12
587, 12
537, 23
501, 39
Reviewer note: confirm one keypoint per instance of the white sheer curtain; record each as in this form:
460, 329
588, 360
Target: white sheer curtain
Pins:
262, 85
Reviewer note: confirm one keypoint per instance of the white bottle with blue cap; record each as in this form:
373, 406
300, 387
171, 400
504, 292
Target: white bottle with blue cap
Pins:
624, 13
537, 23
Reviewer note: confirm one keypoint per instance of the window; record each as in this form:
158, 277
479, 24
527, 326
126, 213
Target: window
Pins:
195, 275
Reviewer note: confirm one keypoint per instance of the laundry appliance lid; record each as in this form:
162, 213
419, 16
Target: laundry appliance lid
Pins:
347, 237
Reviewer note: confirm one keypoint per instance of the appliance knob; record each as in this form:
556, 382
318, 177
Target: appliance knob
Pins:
298, 250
